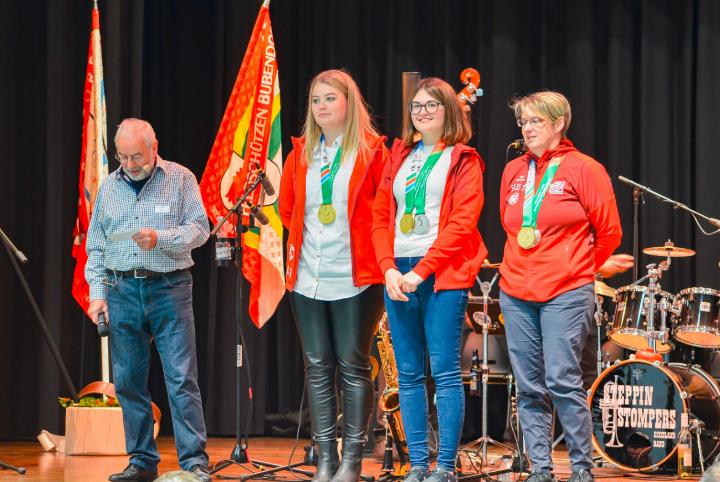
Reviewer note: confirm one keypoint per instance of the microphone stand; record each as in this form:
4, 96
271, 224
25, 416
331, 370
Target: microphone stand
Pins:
637, 195
239, 453
714, 221
486, 440
15, 254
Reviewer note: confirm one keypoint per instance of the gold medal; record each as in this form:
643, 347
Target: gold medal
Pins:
326, 213
407, 222
528, 237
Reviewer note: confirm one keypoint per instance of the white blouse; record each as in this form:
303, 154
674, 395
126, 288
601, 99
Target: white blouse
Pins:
325, 266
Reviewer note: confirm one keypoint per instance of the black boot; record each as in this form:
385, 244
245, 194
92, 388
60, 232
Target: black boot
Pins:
327, 463
351, 464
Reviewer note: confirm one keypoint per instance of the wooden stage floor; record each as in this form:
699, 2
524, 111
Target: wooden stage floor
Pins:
48, 466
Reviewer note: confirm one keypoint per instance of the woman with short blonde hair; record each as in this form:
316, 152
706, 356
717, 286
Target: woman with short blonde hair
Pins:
558, 209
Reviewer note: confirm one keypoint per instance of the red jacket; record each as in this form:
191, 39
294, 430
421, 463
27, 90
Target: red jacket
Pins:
364, 182
458, 251
578, 222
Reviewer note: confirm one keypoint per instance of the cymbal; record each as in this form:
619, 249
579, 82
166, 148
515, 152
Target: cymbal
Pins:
488, 264
604, 290
671, 251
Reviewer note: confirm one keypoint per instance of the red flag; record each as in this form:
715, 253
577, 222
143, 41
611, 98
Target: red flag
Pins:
250, 131
93, 160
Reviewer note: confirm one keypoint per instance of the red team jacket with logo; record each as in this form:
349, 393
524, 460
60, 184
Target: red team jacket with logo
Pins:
458, 251
364, 183
578, 221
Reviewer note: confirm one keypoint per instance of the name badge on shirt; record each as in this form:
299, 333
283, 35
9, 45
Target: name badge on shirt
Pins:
162, 209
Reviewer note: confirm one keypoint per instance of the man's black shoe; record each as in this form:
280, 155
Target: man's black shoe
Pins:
201, 472
134, 473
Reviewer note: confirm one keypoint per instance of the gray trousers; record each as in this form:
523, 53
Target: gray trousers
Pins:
545, 341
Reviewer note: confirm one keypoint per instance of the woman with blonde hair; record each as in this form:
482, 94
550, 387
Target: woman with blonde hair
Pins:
326, 196
558, 209
429, 250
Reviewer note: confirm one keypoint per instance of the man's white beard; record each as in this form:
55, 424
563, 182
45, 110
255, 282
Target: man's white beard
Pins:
143, 174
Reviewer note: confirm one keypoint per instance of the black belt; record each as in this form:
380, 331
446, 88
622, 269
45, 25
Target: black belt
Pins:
142, 273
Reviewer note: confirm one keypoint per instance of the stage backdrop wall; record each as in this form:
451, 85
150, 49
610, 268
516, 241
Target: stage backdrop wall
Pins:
642, 77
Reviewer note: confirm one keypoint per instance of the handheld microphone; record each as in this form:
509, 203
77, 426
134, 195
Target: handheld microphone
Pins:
258, 214
266, 183
102, 327
518, 145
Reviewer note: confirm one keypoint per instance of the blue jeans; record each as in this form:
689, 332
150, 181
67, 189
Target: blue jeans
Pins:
156, 310
430, 323
545, 341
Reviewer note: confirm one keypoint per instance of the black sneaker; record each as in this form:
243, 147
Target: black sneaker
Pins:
201, 472
441, 474
416, 474
541, 477
582, 475
134, 473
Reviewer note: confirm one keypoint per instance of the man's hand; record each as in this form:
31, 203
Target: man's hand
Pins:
393, 285
616, 264
410, 282
146, 238
97, 307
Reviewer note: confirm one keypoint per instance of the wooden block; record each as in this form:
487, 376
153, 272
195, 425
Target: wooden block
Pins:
94, 431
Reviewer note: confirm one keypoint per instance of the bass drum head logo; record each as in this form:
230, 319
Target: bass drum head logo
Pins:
636, 409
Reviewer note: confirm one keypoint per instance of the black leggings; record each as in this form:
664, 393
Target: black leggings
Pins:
338, 333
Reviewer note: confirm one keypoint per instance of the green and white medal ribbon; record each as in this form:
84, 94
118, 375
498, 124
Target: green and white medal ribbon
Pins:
529, 236
328, 171
415, 190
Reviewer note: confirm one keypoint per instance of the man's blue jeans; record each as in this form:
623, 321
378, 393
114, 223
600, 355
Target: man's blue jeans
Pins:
430, 323
545, 341
156, 310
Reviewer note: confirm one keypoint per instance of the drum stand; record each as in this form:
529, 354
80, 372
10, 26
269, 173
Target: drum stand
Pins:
485, 440
599, 319
697, 426
653, 276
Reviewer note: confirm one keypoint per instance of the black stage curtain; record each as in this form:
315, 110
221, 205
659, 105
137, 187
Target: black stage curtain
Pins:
642, 77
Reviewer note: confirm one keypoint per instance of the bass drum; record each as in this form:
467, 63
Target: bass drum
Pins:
636, 411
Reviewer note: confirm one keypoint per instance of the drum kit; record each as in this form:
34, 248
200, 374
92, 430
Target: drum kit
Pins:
641, 406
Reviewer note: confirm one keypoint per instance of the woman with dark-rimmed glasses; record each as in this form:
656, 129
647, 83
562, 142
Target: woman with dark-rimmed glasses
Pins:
429, 250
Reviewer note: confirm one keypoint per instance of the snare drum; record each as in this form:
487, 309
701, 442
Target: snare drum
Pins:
637, 407
697, 311
629, 328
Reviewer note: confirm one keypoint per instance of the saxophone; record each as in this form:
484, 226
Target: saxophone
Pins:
390, 399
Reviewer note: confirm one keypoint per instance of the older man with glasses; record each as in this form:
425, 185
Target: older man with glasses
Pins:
147, 218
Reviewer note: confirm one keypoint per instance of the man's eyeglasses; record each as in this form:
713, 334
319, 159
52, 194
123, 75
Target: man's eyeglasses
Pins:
134, 158
533, 121
430, 107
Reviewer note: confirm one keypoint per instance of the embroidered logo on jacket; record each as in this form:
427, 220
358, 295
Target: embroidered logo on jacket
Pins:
558, 187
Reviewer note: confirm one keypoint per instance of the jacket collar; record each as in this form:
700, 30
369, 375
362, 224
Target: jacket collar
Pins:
457, 153
563, 147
